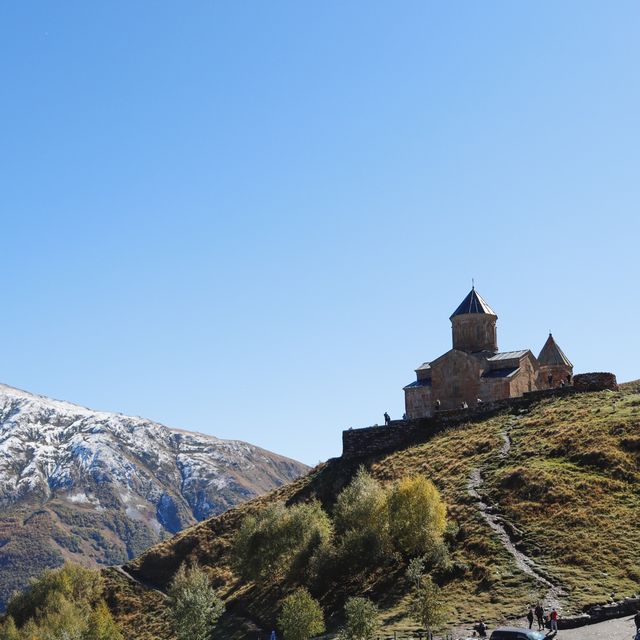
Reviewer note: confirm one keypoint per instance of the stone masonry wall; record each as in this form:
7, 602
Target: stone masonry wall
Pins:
595, 381
403, 433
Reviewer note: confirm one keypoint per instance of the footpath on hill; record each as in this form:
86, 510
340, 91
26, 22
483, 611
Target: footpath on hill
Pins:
526, 564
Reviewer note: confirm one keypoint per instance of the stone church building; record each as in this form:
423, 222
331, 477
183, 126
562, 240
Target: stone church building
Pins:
474, 371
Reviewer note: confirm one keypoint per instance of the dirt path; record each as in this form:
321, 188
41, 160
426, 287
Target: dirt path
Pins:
523, 562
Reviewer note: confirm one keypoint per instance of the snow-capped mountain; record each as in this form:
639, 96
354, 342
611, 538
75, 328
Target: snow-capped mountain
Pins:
100, 487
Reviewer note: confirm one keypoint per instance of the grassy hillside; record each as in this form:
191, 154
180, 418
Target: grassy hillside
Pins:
564, 478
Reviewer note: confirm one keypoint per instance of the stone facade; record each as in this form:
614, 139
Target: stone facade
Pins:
474, 372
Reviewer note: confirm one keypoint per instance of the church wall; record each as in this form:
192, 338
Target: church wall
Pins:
525, 380
493, 389
558, 371
455, 378
418, 402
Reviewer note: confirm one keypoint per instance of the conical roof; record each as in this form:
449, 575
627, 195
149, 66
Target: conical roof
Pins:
473, 303
552, 354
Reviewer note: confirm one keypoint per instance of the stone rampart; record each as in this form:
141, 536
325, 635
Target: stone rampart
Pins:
595, 381
403, 433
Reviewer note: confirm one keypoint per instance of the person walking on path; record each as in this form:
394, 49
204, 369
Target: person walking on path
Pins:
554, 620
539, 611
387, 418
530, 617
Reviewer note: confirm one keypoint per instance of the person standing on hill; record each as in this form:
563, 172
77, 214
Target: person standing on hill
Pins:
554, 620
387, 418
539, 611
530, 617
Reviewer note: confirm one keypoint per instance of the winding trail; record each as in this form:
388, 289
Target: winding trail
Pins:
494, 520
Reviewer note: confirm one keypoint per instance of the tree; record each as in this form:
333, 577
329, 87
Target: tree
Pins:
194, 606
72, 582
417, 515
301, 616
61, 619
361, 521
63, 604
361, 620
30, 631
415, 571
8, 630
428, 604
279, 538
101, 625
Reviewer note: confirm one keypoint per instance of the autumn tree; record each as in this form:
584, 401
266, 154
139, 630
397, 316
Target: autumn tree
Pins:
417, 516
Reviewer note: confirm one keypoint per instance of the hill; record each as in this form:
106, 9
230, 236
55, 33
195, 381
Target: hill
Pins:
545, 504
99, 488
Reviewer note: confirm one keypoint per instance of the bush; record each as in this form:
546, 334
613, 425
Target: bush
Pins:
279, 538
361, 620
301, 616
417, 516
194, 606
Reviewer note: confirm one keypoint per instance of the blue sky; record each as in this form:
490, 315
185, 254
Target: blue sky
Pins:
254, 219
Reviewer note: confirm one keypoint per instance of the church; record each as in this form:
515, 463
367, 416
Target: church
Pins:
475, 372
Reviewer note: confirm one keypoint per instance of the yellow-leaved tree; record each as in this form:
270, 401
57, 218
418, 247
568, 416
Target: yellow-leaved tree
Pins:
417, 516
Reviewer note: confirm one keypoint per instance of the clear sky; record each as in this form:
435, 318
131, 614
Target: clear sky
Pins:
254, 219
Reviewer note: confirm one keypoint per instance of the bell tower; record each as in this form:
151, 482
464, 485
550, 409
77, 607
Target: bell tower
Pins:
473, 325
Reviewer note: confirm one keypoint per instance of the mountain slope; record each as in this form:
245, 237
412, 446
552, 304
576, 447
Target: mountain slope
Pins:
561, 481
102, 487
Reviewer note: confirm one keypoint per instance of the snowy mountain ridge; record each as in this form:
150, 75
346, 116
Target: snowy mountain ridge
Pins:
106, 485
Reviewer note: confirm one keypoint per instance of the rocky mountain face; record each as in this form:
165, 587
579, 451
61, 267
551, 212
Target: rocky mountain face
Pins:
98, 487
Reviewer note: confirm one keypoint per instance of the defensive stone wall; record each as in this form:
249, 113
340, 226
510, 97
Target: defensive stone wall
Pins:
595, 381
403, 433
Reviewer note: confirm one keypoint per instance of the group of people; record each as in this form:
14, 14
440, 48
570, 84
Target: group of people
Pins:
538, 614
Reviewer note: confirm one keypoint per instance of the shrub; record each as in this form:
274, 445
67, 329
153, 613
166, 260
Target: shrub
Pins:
361, 620
301, 616
194, 606
417, 516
